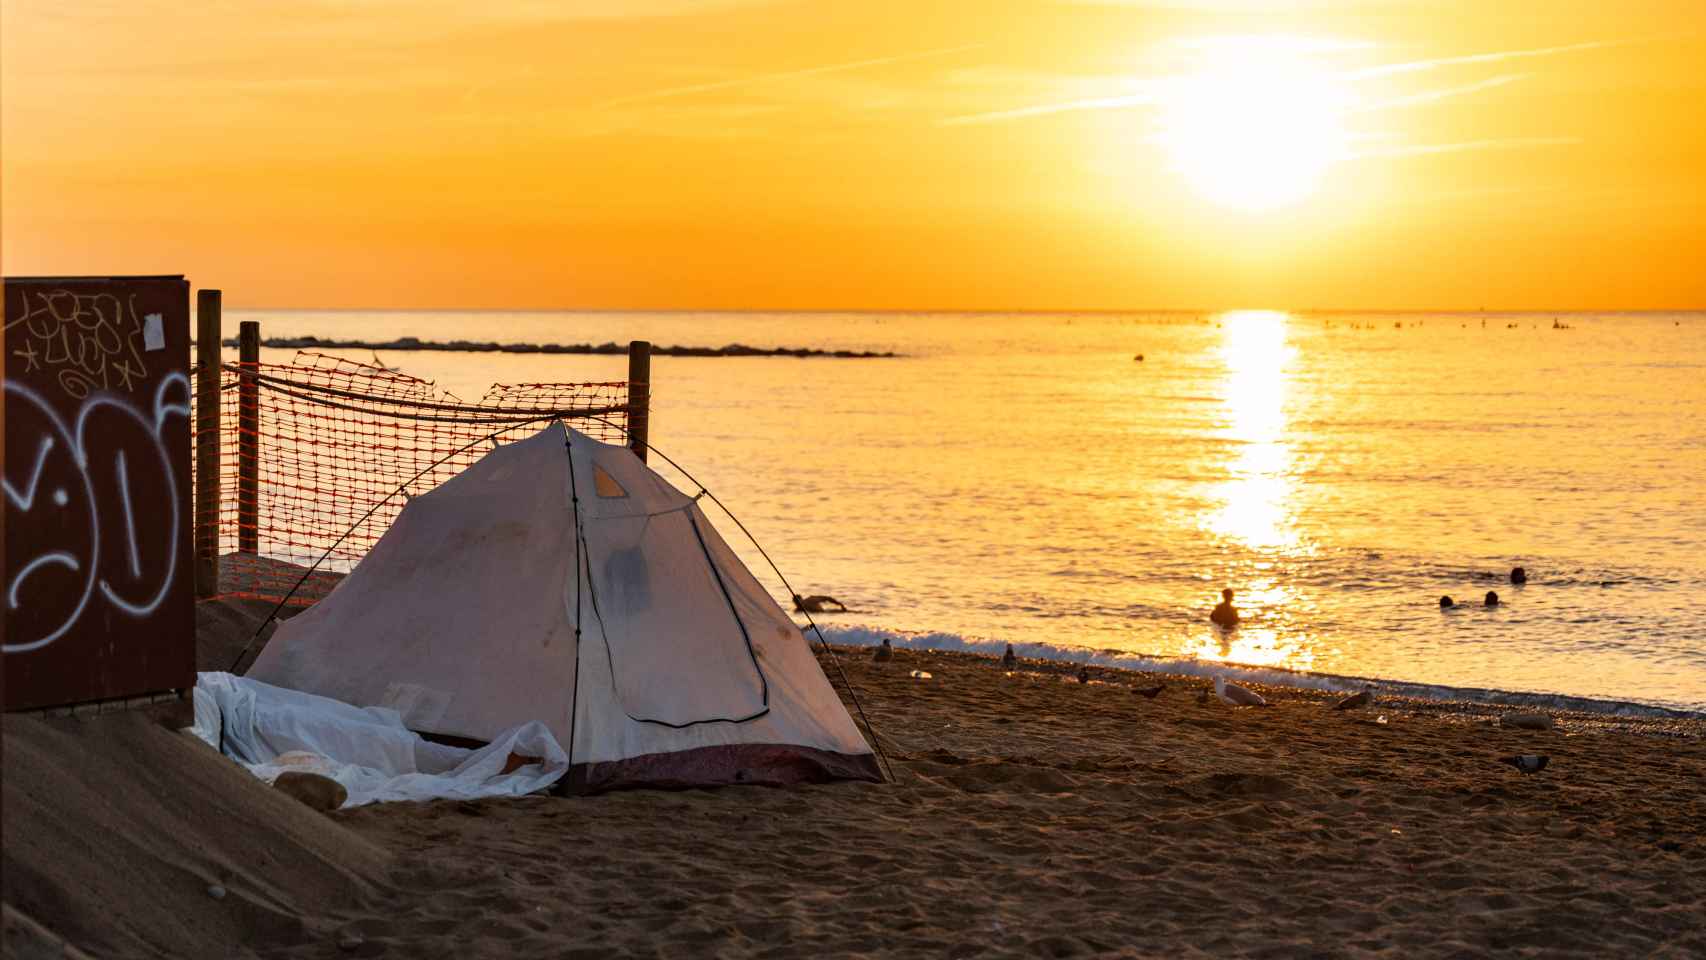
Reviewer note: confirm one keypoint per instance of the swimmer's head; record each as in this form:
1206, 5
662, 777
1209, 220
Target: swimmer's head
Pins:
1226, 594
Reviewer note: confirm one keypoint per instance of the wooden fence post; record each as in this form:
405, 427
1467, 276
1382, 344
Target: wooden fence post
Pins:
639, 396
207, 347
248, 437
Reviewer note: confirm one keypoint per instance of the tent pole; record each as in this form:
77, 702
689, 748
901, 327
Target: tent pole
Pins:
575, 691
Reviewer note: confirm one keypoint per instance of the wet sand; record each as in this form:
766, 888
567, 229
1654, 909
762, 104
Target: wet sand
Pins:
1032, 815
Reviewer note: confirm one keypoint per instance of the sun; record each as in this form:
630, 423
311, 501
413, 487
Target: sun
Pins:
1256, 123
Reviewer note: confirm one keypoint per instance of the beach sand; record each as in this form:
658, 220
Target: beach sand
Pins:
1030, 815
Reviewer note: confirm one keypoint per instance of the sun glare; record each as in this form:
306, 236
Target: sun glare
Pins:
1255, 124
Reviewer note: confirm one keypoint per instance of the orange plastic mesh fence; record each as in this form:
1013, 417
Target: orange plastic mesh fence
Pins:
334, 440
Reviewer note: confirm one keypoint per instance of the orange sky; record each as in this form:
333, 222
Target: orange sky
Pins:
984, 155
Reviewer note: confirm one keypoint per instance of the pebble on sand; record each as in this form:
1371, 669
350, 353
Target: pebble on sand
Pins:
1526, 721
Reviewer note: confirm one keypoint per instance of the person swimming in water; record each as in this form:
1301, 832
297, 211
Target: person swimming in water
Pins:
1446, 603
1491, 600
818, 604
1519, 576
1225, 615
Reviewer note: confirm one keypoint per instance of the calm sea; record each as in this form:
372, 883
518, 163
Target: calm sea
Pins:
1028, 479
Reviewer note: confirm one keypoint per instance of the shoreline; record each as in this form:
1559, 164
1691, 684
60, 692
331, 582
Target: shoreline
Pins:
226, 624
1117, 664
1394, 705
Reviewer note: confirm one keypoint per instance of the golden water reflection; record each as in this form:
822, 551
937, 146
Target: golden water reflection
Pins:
1255, 503
1255, 498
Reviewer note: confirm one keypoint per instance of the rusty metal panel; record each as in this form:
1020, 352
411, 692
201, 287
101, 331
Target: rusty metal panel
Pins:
98, 593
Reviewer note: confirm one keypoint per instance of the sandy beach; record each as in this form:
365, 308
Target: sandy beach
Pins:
527, 479
1030, 815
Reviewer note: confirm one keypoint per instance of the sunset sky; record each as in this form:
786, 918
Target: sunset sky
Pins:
1001, 154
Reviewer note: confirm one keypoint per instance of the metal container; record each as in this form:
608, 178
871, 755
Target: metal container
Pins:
97, 584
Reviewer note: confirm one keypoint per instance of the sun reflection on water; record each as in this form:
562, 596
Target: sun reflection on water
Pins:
1255, 498
1254, 507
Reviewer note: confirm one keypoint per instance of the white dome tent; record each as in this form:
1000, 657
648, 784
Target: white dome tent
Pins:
663, 662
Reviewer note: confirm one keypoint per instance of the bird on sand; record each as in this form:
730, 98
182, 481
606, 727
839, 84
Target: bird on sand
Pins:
1234, 695
1083, 675
1009, 660
884, 652
1150, 692
1527, 763
1354, 701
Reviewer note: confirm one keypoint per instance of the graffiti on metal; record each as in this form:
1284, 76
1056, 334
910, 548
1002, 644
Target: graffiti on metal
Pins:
95, 588
87, 341
122, 578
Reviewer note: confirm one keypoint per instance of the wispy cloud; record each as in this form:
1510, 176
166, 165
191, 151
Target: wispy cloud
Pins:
1413, 66
1416, 66
1510, 143
1093, 103
1433, 96
764, 78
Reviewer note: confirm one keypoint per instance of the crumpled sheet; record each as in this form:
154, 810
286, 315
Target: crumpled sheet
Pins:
272, 730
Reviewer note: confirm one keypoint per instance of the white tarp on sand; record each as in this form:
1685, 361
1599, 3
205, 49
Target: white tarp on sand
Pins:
272, 730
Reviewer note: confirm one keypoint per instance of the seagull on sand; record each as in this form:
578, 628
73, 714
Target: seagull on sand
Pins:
1009, 660
1150, 692
884, 652
1234, 695
1354, 701
1527, 763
